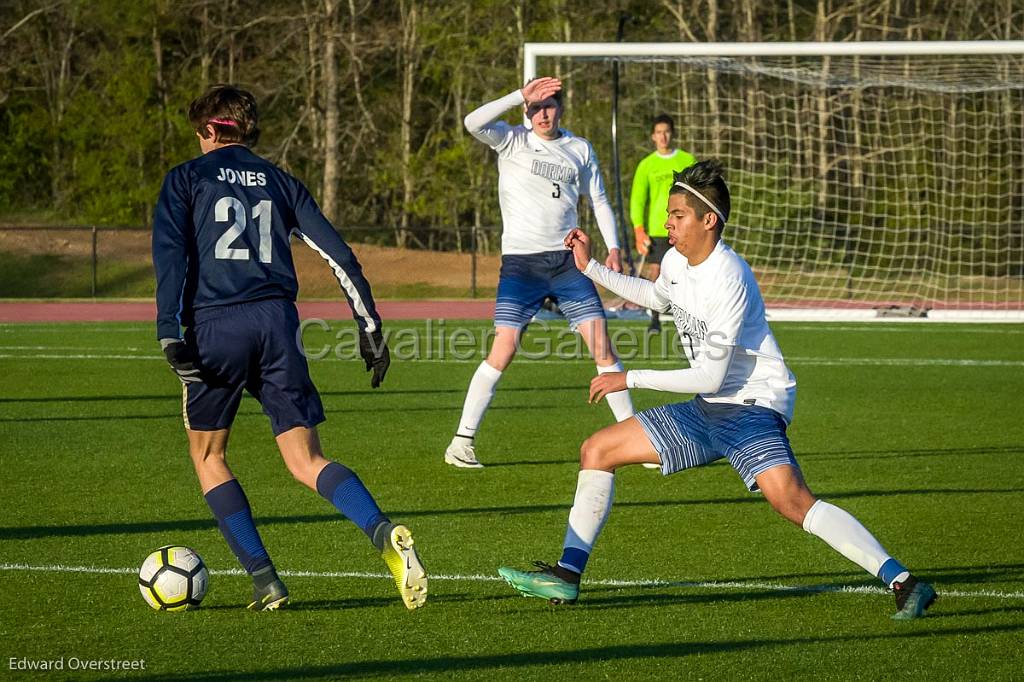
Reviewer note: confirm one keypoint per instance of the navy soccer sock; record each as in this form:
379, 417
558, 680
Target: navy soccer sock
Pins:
340, 486
234, 518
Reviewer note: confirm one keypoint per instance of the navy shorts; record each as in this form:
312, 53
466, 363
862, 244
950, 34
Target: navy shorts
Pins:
697, 432
252, 346
526, 280
659, 247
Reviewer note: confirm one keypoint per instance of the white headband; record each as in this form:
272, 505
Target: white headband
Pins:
702, 198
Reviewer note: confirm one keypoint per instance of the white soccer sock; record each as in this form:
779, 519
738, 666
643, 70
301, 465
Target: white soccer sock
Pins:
594, 492
620, 402
478, 397
846, 535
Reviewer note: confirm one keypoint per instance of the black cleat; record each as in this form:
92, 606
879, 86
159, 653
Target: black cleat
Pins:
269, 598
912, 598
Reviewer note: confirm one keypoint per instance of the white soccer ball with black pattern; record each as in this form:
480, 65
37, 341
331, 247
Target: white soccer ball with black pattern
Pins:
173, 578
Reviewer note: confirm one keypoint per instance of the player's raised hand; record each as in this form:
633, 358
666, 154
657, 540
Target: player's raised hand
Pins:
614, 260
578, 242
540, 88
603, 384
375, 353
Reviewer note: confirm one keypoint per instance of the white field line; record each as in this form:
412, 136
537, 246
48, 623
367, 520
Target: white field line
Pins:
793, 360
685, 584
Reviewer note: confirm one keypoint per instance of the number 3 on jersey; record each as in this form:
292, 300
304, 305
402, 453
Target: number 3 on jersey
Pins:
558, 191
262, 214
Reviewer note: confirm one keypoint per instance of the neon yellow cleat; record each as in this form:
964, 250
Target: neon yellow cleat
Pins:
401, 559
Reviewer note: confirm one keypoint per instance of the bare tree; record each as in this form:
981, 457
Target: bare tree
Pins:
329, 91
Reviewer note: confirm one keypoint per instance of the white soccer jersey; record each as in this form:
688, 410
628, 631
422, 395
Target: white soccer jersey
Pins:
540, 181
719, 313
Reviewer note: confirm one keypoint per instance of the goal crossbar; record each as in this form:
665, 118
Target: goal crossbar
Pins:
531, 51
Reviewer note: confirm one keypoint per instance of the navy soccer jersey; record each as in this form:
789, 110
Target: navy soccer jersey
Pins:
221, 236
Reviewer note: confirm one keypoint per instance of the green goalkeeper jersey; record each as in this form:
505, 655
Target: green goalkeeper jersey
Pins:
651, 184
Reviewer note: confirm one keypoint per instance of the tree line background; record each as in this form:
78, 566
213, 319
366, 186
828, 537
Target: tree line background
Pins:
362, 100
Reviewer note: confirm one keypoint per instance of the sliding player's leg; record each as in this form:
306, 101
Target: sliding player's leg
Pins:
339, 485
784, 488
600, 455
755, 441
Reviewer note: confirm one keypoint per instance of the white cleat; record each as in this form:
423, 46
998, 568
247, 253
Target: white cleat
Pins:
462, 456
651, 465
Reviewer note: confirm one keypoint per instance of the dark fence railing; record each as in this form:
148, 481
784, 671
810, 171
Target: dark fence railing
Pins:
71, 261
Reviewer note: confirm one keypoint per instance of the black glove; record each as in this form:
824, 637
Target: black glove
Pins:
376, 355
182, 360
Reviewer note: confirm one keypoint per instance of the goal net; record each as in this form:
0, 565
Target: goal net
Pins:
859, 181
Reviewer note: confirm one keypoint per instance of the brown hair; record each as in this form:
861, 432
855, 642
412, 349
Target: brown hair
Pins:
230, 111
663, 118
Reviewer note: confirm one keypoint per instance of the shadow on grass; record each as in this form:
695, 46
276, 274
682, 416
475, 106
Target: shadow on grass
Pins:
357, 393
390, 602
374, 411
528, 662
912, 452
34, 532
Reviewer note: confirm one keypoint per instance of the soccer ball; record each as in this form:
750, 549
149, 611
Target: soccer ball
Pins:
173, 578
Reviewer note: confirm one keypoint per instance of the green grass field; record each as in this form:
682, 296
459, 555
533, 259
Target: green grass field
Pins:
915, 429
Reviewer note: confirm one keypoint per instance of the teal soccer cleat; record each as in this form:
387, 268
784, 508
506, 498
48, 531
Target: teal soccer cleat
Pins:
542, 583
912, 598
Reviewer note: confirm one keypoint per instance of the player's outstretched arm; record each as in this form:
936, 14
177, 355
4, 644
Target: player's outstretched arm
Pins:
635, 289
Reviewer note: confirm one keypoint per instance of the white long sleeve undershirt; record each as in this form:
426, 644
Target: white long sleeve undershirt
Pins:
705, 377
482, 124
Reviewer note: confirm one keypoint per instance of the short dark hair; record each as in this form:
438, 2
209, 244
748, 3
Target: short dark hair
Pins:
708, 178
663, 118
230, 111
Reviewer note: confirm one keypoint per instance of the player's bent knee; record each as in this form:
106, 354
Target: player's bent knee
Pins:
594, 455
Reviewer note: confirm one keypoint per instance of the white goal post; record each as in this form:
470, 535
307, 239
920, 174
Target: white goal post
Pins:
871, 180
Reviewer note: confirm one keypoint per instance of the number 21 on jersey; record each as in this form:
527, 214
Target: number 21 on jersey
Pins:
231, 210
